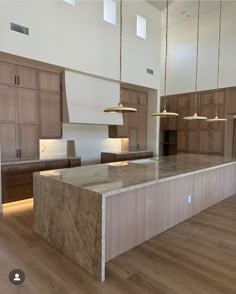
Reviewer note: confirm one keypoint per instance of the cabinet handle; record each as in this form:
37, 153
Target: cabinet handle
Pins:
17, 153
18, 80
15, 81
20, 153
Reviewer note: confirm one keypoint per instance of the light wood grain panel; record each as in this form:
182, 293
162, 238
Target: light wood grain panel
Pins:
7, 73
8, 104
50, 115
29, 141
9, 141
27, 77
28, 106
135, 216
49, 81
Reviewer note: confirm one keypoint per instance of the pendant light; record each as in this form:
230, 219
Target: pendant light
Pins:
216, 118
165, 113
120, 108
196, 116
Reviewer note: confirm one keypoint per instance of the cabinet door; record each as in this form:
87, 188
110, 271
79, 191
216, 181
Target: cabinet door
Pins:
133, 139
7, 73
49, 81
27, 106
123, 131
29, 141
217, 142
207, 111
182, 124
193, 144
27, 77
50, 115
231, 100
142, 127
8, 104
182, 142
204, 142
9, 141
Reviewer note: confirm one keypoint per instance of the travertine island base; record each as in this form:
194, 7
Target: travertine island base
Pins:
95, 213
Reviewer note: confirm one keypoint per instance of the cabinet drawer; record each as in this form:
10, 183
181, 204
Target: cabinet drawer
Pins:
23, 168
57, 164
16, 180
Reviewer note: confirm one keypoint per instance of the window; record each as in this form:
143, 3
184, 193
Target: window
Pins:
72, 2
141, 27
109, 11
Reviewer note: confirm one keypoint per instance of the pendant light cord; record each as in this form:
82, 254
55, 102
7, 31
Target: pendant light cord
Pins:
166, 53
218, 60
121, 44
197, 54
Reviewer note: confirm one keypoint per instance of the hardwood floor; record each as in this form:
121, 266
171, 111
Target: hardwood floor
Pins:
196, 256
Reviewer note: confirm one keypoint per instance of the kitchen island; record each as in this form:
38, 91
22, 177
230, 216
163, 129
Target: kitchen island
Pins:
95, 213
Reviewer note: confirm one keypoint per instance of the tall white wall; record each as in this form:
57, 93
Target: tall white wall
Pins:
78, 39
182, 51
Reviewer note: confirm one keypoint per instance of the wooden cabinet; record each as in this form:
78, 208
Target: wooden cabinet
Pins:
231, 100
107, 157
27, 106
135, 124
50, 115
17, 178
9, 141
200, 136
28, 141
7, 73
27, 77
21, 118
8, 104
49, 81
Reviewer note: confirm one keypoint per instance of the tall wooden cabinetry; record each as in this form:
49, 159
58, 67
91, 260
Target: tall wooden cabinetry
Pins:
135, 124
197, 136
20, 116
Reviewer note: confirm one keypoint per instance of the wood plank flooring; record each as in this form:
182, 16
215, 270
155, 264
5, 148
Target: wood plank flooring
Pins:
196, 256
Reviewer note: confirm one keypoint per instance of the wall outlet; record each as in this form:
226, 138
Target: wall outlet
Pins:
189, 198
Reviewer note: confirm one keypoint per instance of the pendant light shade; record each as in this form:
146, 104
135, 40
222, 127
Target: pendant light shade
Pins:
195, 116
216, 118
120, 108
165, 113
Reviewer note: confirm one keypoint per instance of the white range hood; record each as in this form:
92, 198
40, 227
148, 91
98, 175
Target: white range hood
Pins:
86, 97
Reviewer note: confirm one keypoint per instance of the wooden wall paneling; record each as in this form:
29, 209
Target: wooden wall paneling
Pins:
27, 77
206, 98
142, 126
8, 104
234, 139
50, 115
49, 81
182, 141
217, 142
192, 99
124, 96
7, 73
193, 124
184, 100
28, 111
172, 101
231, 100
182, 124
133, 139
142, 98
204, 141
29, 141
193, 141
9, 141
207, 111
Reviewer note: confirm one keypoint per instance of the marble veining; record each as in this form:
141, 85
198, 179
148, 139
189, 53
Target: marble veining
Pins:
118, 177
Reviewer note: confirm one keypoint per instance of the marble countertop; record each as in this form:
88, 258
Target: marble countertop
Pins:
112, 178
41, 159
